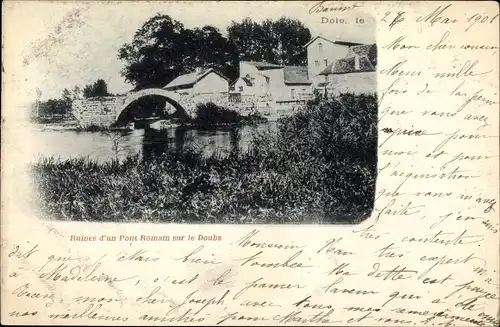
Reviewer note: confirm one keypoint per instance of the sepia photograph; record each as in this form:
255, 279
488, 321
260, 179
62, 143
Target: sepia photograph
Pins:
250, 163
251, 120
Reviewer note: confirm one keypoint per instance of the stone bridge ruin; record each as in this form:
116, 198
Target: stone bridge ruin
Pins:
105, 111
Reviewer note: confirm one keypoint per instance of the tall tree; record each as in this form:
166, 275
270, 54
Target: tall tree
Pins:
249, 39
157, 52
289, 37
210, 49
279, 42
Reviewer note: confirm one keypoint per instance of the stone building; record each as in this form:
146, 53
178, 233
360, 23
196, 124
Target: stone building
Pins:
203, 84
356, 73
268, 80
320, 53
340, 66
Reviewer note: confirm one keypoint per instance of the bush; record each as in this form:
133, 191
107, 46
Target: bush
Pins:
255, 118
210, 114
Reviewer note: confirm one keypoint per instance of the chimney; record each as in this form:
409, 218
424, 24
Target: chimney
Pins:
356, 62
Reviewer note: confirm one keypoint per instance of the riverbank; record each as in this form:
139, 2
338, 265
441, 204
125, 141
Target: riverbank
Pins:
320, 166
74, 125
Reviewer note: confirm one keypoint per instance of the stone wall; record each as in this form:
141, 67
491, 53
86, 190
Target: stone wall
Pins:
96, 111
357, 83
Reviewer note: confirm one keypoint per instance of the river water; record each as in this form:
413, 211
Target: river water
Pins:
104, 146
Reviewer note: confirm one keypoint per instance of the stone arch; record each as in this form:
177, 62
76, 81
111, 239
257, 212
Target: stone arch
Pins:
173, 98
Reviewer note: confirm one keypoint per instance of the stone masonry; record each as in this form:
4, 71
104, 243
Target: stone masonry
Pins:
100, 111
104, 111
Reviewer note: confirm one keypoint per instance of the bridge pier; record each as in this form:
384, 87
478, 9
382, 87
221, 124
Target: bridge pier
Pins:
96, 111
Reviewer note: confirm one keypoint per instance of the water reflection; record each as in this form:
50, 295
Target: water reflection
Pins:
147, 143
221, 142
155, 143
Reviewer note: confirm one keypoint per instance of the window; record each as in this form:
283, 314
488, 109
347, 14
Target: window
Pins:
293, 93
320, 47
326, 78
316, 63
241, 88
326, 62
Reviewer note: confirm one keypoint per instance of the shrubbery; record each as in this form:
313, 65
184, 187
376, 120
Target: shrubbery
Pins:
210, 114
331, 148
320, 166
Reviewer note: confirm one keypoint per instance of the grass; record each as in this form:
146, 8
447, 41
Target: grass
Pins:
320, 166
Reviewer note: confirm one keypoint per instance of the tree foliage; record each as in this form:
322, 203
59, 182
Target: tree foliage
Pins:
53, 107
155, 53
279, 41
211, 50
163, 48
210, 114
98, 89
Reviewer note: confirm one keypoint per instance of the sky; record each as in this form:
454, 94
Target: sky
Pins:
55, 45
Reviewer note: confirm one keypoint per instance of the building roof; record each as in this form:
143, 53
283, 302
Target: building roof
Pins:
346, 43
367, 50
315, 38
188, 80
263, 64
348, 65
296, 75
247, 79
265, 76
363, 50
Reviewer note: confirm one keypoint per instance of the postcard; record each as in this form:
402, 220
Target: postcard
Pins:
248, 163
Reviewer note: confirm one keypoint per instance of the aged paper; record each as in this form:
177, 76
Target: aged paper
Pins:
426, 256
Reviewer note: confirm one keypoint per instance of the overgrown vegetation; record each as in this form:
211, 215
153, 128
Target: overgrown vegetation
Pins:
319, 167
209, 115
